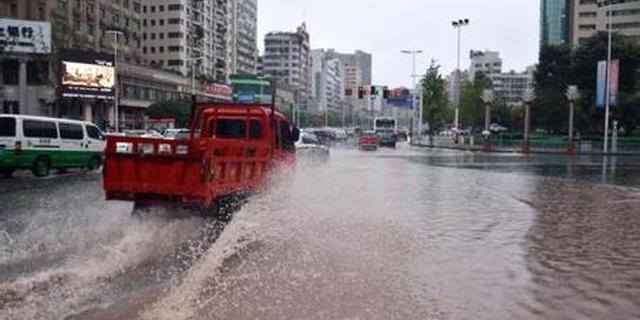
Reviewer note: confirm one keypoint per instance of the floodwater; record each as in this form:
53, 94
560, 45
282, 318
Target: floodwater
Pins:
395, 234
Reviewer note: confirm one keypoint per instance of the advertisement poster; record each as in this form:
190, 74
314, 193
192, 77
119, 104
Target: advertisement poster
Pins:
614, 78
87, 75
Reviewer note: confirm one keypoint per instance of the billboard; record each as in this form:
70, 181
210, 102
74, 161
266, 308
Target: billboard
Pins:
401, 98
614, 78
87, 75
25, 36
217, 91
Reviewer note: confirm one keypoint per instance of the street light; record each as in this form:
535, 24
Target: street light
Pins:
487, 98
608, 4
413, 87
458, 25
572, 94
116, 34
527, 97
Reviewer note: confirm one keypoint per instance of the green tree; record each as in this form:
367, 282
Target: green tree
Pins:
584, 71
435, 101
552, 77
471, 104
180, 110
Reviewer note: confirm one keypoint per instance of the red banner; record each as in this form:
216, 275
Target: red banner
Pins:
217, 91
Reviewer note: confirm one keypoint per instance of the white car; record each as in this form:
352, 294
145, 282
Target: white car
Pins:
309, 148
496, 128
176, 134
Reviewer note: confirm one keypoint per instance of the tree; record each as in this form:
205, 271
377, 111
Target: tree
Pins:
435, 101
584, 71
471, 104
180, 110
552, 77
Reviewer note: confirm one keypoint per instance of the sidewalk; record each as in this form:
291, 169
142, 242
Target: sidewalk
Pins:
516, 147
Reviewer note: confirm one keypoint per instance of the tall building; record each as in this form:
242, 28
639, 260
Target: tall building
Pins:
487, 62
359, 59
555, 22
181, 35
352, 83
588, 19
512, 85
327, 87
287, 58
244, 36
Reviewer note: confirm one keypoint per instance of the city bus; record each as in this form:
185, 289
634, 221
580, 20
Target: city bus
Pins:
250, 89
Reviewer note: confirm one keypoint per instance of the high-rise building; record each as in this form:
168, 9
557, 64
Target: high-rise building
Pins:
512, 85
487, 62
287, 58
352, 83
588, 19
555, 22
244, 36
183, 35
358, 59
327, 87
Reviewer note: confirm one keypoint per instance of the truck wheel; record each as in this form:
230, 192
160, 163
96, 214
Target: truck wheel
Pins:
41, 167
6, 173
94, 164
140, 209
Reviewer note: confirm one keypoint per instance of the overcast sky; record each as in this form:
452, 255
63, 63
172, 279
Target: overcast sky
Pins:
383, 28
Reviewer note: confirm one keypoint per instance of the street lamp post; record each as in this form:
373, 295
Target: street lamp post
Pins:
487, 98
528, 98
607, 5
572, 94
413, 87
458, 25
116, 34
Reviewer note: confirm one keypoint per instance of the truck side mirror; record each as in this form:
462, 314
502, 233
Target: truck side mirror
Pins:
295, 134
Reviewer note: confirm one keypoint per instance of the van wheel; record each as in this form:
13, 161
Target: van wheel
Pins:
94, 164
41, 167
6, 173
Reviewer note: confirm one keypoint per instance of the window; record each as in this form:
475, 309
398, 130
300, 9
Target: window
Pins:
94, 133
71, 131
174, 21
174, 49
255, 129
231, 128
37, 72
286, 138
161, 8
144, 9
153, 36
153, 23
39, 129
174, 7
7, 127
144, 50
153, 49
175, 62
161, 49
11, 107
10, 71
174, 35
161, 22
161, 35
153, 9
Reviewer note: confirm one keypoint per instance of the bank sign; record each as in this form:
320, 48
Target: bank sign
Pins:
25, 36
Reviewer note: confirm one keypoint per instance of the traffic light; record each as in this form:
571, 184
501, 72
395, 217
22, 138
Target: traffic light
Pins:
386, 93
348, 92
360, 93
374, 91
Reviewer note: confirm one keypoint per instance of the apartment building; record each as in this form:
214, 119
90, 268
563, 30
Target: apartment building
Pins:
589, 18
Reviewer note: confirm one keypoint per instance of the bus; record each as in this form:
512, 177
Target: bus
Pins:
250, 89
385, 124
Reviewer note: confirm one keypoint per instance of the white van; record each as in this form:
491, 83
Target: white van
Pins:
40, 144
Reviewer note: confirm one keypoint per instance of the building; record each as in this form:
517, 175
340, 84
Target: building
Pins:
588, 19
287, 58
352, 83
244, 36
487, 62
327, 86
555, 21
512, 85
359, 59
181, 35
260, 66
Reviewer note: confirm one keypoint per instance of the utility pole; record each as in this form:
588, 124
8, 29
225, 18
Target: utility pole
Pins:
413, 53
116, 34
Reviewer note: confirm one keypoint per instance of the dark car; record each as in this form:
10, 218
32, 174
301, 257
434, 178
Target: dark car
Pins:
387, 139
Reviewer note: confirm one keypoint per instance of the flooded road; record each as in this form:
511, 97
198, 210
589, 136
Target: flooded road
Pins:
397, 234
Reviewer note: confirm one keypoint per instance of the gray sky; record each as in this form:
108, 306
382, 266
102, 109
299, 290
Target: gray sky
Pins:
383, 28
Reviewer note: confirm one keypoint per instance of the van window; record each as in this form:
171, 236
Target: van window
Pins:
94, 133
7, 127
229, 128
71, 131
255, 129
39, 129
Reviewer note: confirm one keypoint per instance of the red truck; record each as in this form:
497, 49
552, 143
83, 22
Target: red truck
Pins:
230, 151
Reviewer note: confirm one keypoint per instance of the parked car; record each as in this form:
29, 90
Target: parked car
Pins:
496, 128
176, 134
41, 144
368, 141
309, 147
